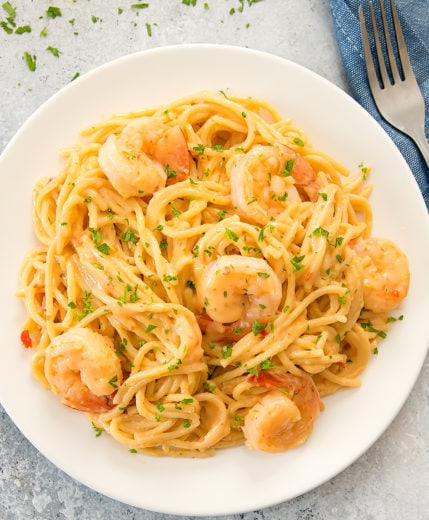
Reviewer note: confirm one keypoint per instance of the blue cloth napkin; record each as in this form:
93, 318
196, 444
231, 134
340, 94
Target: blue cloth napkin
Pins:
414, 17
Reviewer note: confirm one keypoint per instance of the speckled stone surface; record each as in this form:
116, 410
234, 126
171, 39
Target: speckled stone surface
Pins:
391, 480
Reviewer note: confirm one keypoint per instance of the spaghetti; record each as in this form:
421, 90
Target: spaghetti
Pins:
200, 280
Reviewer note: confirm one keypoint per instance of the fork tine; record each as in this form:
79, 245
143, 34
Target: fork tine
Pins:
392, 60
408, 117
381, 64
369, 61
402, 48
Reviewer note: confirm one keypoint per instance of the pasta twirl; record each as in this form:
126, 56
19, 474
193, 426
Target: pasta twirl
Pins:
204, 277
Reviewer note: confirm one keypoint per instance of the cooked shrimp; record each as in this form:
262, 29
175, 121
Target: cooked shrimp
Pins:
284, 417
144, 156
239, 289
264, 179
387, 275
215, 331
82, 367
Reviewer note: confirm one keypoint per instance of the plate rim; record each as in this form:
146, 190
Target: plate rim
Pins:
212, 47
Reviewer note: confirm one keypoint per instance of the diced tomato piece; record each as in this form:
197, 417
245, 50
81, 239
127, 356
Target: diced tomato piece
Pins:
26, 339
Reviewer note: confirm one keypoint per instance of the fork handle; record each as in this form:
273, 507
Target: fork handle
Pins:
420, 139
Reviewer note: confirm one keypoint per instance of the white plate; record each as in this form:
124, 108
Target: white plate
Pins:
235, 480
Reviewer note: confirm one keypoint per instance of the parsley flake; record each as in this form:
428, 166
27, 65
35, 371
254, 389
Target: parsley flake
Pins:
130, 236
104, 248
231, 235
23, 29
287, 170
30, 60
263, 275
296, 262
98, 431
53, 12
257, 327
298, 141
227, 351
113, 381
54, 51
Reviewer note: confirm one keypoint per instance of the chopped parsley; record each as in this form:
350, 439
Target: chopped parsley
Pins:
129, 292
199, 148
266, 365
150, 328
170, 173
30, 60
95, 234
87, 306
97, 238
230, 234
5, 27
257, 327
174, 210
113, 381
54, 51
11, 11
363, 169
319, 231
369, 328
227, 351
392, 319
53, 12
253, 370
191, 284
263, 275
209, 387
169, 278
23, 29
298, 141
287, 170
104, 248
296, 261
130, 236
98, 431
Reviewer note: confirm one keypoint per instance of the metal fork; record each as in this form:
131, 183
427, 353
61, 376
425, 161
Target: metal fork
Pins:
398, 99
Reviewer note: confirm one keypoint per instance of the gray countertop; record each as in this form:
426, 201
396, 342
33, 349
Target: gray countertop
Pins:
391, 480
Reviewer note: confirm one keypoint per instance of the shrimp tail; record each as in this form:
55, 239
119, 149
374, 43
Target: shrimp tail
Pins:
297, 387
219, 331
85, 401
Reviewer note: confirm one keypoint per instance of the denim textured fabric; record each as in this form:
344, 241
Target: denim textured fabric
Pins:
414, 18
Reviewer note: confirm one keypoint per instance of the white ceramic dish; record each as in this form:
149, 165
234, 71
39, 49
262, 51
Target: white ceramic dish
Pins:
235, 480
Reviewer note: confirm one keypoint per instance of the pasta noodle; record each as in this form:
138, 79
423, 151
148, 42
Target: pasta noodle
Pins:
204, 277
